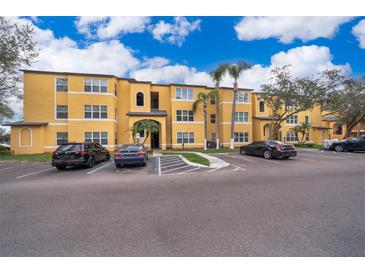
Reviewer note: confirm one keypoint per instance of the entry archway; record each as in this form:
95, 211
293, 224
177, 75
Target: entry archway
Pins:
147, 132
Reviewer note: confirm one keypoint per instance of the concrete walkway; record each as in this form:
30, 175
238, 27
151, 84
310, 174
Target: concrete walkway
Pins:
214, 162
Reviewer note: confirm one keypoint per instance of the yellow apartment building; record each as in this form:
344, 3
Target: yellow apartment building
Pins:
64, 107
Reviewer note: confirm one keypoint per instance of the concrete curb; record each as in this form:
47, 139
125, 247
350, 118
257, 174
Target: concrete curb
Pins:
191, 163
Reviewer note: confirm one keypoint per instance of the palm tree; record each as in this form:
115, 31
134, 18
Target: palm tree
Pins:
235, 71
217, 77
147, 126
302, 128
203, 98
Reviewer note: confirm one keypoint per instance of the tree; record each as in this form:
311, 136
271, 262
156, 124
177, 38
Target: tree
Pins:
286, 96
203, 98
147, 126
235, 71
4, 136
346, 101
217, 76
302, 128
16, 51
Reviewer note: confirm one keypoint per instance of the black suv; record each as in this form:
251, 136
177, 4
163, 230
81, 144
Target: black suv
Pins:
351, 144
79, 154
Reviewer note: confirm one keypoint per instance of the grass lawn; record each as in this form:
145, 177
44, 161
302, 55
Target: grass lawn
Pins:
314, 146
192, 157
210, 150
27, 157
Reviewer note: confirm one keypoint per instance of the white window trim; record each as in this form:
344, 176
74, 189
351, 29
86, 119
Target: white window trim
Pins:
237, 103
243, 122
186, 110
61, 132
184, 100
144, 99
20, 134
242, 92
55, 84
93, 93
92, 113
187, 122
62, 119
185, 132
244, 135
297, 123
92, 136
92, 80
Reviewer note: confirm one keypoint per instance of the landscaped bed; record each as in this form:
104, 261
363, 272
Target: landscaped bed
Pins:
314, 146
26, 157
192, 157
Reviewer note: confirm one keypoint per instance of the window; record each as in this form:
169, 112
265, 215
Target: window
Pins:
115, 138
291, 136
307, 136
306, 119
95, 112
185, 137
62, 138
115, 89
262, 106
213, 99
95, 85
292, 119
240, 137
184, 115
61, 84
212, 118
115, 114
97, 137
139, 99
184, 93
241, 97
241, 117
61, 112
213, 136
337, 129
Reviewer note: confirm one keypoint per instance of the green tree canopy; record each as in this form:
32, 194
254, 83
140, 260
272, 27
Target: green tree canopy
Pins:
17, 50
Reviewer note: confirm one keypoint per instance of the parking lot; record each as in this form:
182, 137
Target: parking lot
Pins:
311, 205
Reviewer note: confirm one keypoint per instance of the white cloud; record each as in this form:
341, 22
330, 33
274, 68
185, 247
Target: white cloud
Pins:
176, 32
84, 24
104, 27
287, 29
359, 32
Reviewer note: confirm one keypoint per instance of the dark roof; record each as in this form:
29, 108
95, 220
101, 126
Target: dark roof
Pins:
132, 80
265, 117
152, 113
330, 119
22, 123
320, 127
76, 73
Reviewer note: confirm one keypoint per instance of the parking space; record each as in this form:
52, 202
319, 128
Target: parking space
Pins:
174, 165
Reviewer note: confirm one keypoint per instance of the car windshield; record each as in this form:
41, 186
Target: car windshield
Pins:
276, 143
353, 139
130, 148
69, 148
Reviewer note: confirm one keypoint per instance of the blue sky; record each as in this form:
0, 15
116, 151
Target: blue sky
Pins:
216, 42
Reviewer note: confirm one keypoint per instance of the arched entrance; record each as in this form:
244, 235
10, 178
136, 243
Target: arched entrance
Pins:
147, 132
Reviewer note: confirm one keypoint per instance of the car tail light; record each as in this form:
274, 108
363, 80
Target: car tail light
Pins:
81, 153
141, 153
118, 155
278, 147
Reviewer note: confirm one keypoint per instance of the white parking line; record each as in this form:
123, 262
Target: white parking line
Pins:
170, 163
174, 164
96, 169
36, 172
176, 168
188, 171
1, 169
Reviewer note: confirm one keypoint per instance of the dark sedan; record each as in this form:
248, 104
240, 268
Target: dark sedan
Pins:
79, 154
131, 155
350, 144
269, 149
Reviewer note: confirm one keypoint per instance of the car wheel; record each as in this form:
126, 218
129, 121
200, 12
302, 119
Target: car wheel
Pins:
339, 148
107, 157
242, 151
144, 164
61, 167
267, 154
91, 162
118, 165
